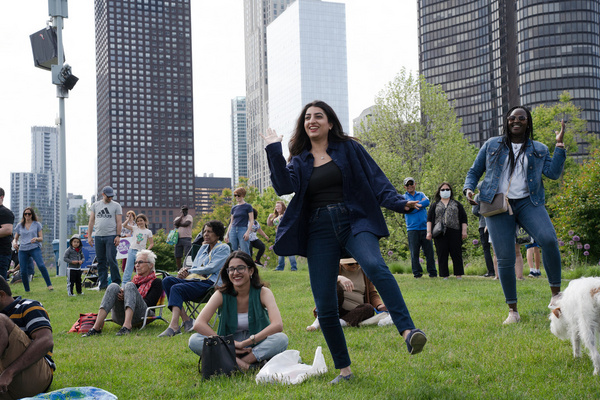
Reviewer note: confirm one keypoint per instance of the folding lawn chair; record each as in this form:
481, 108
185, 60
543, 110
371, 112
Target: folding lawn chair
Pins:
90, 275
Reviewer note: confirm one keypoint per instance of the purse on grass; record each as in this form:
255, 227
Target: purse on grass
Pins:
218, 356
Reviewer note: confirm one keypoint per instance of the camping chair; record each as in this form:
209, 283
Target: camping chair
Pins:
90, 275
151, 315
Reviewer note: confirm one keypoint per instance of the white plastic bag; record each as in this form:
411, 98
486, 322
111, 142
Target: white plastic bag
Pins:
286, 368
386, 321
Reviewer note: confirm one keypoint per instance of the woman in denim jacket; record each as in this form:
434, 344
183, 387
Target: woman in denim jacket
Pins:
336, 209
514, 164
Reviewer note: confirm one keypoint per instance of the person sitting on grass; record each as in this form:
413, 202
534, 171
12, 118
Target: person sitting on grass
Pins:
129, 304
189, 284
26, 365
248, 312
357, 296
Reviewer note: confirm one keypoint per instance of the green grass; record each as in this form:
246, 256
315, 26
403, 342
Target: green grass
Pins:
470, 355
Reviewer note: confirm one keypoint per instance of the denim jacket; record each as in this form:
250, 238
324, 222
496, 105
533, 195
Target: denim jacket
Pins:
365, 188
492, 157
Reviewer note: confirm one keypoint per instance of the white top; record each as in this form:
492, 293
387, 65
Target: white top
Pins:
243, 324
140, 238
518, 183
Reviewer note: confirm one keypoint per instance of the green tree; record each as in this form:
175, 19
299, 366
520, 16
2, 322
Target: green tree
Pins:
82, 217
165, 255
414, 132
577, 206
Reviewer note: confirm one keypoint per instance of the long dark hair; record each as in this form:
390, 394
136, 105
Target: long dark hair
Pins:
33, 216
227, 286
437, 196
507, 140
300, 140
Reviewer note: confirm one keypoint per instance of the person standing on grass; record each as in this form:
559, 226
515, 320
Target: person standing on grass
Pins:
255, 241
140, 237
273, 220
513, 165
26, 365
7, 219
533, 259
416, 227
74, 257
183, 223
335, 210
106, 217
240, 223
484, 239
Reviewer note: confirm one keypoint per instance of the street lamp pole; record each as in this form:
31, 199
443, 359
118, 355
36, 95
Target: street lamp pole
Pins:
57, 9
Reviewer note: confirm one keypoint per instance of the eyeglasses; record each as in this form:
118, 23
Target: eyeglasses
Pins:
239, 268
236, 195
141, 262
409, 184
26, 213
444, 190
521, 118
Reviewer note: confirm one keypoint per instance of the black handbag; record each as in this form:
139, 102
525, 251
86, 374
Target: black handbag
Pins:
218, 356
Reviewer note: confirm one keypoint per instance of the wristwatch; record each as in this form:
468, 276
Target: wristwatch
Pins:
252, 338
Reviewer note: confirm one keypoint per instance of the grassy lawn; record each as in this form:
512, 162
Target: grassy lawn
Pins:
470, 355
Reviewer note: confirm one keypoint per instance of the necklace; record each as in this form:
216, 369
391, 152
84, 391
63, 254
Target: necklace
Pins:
322, 157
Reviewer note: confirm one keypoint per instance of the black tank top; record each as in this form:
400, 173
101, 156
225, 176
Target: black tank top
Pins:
325, 186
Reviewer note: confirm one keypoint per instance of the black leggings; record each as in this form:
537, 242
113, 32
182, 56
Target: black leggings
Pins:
73, 278
258, 245
450, 244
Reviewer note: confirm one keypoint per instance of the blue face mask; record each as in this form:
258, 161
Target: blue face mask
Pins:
445, 194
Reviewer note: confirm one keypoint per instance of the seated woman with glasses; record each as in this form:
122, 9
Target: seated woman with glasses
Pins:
129, 304
357, 297
248, 312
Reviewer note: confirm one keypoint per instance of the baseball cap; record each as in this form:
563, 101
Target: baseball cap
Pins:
108, 191
406, 180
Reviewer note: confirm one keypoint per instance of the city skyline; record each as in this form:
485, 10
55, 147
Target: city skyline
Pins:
219, 76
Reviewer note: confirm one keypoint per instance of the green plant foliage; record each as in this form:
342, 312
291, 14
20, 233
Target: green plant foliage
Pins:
414, 132
165, 253
577, 206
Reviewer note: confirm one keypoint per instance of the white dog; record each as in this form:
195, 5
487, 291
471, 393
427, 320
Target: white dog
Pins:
577, 317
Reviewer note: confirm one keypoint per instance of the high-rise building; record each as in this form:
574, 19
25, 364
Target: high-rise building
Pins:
307, 61
239, 142
257, 15
40, 187
206, 187
492, 55
145, 105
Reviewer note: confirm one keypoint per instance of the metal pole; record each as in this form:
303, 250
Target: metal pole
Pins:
61, 93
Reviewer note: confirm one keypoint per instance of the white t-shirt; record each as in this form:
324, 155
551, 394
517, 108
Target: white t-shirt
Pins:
139, 238
518, 183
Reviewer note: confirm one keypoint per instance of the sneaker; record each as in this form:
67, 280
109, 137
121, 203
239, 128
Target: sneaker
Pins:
489, 275
187, 326
415, 341
169, 332
341, 378
532, 274
123, 331
70, 294
92, 332
513, 318
258, 263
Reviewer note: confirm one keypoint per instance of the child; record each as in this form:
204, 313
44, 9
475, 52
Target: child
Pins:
140, 236
255, 241
74, 257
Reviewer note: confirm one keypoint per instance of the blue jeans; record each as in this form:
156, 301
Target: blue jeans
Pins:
330, 233
179, 290
106, 253
4, 264
265, 350
537, 223
416, 241
281, 263
236, 238
131, 254
27, 269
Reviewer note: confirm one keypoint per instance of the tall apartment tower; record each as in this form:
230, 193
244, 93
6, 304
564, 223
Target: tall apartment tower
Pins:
239, 141
40, 187
257, 15
145, 105
492, 55
307, 61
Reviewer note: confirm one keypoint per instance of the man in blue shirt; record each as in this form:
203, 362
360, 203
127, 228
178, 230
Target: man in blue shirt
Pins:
416, 225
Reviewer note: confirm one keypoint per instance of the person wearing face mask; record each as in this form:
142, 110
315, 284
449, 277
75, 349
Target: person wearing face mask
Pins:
453, 214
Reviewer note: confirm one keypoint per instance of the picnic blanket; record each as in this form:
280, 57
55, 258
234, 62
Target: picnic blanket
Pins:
79, 393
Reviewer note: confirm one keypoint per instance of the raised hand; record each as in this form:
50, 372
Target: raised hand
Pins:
271, 136
560, 135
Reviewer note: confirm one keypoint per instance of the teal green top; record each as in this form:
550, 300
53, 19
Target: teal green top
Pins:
258, 317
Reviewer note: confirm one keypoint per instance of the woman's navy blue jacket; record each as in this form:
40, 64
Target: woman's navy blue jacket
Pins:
365, 188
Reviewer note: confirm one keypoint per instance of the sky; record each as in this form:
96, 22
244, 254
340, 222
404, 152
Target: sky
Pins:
381, 39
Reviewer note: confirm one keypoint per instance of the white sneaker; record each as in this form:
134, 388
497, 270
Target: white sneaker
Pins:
513, 318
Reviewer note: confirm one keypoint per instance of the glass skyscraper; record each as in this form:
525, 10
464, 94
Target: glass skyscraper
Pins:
239, 142
307, 61
145, 105
491, 55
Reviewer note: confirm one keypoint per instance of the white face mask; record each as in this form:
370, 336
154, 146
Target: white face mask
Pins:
445, 194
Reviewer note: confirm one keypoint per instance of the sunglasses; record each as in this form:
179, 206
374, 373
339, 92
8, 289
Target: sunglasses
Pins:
444, 190
26, 213
514, 118
409, 184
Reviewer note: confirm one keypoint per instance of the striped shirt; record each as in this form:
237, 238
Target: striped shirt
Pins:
29, 315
